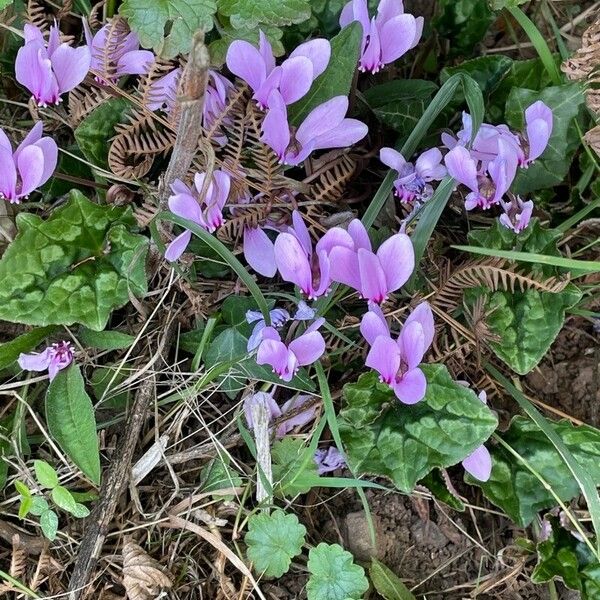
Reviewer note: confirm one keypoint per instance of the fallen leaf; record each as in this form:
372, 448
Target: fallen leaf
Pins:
143, 577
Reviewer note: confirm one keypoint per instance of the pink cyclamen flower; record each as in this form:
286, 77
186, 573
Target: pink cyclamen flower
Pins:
207, 212
538, 126
29, 166
115, 52
387, 36
479, 462
324, 127
517, 214
397, 361
487, 188
259, 251
374, 275
279, 317
286, 359
293, 78
53, 359
50, 69
329, 460
413, 180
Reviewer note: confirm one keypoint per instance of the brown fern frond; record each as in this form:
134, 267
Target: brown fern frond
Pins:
18, 564
494, 275
237, 100
160, 67
137, 144
251, 216
83, 100
330, 181
115, 39
38, 15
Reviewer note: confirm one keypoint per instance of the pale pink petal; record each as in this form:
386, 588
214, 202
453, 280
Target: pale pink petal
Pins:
412, 344
423, 315
53, 40
317, 51
70, 65
372, 277
177, 247
8, 174
392, 158
324, 277
373, 324
347, 14
35, 361
419, 22
266, 51
292, 262
50, 151
397, 37
275, 128
308, 348
336, 236
30, 72
274, 353
136, 62
411, 388
429, 166
270, 84
298, 420
33, 136
359, 235
538, 135
384, 357
371, 56
259, 251
462, 167
479, 463
388, 9
5, 142
344, 267
346, 134
245, 61
32, 33
301, 232
397, 258
185, 206
31, 168
322, 119
296, 78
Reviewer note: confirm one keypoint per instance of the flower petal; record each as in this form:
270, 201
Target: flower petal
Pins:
479, 463
274, 353
336, 236
308, 347
373, 324
136, 62
412, 344
397, 37
344, 267
392, 158
428, 165
50, 152
177, 247
359, 235
296, 78
32, 137
384, 357
266, 51
321, 119
31, 168
462, 167
422, 314
8, 174
259, 251
275, 127
292, 262
245, 61
346, 134
70, 66
318, 51
373, 284
412, 387
185, 206
35, 361
397, 258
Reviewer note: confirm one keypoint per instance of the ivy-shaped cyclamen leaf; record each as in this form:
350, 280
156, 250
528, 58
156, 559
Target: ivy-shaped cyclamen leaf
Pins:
248, 14
334, 575
516, 490
74, 267
273, 540
71, 422
181, 18
404, 443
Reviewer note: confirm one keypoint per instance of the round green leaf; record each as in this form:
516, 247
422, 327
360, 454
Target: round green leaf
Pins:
45, 474
273, 540
49, 524
39, 506
63, 499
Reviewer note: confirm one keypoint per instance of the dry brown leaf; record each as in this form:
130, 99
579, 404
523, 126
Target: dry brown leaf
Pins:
587, 59
592, 137
143, 577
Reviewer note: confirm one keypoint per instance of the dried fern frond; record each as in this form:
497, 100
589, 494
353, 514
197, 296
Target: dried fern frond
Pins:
83, 100
18, 564
95, 17
329, 182
37, 15
494, 275
251, 216
137, 144
115, 39
160, 67
587, 58
236, 103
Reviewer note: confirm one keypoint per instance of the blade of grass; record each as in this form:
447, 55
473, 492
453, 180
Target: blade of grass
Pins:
214, 244
582, 477
579, 215
581, 266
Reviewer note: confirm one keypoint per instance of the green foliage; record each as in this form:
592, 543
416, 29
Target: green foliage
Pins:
334, 575
500, 4
101, 379
5, 3
93, 133
248, 14
273, 540
294, 469
26, 342
563, 556
552, 167
337, 78
218, 475
25, 497
516, 490
404, 443
71, 422
74, 267
49, 524
387, 583
437, 483
45, 474
181, 18
105, 340
464, 23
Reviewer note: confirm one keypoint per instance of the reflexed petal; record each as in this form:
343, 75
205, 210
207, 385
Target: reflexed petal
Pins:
347, 15
392, 158
462, 167
274, 353
70, 65
275, 127
266, 51
32, 33
412, 344
317, 51
270, 333
412, 387
346, 134
324, 277
31, 168
373, 324
221, 188
296, 78
33, 136
388, 9
8, 174
479, 463
422, 314
298, 420
53, 40
163, 91
29, 71
245, 61
136, 62
384, 357
301, 232
359, 235
322, 119
372, 277
5, 142
397, 258
35, 361
270, 84
259, 251
50, 152
329, 460
308, 348
336, 236
344, 267
315, 325
429, 165
256, 336
419, 22
397, 37
357, 10
185, 206
292, 262
539, 122
177, 247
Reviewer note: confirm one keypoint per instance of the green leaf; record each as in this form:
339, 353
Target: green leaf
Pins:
500, 4
404, 443
387, 583
181, 18
49, 524
45, 474
71, 422
105, 340
437, 483
9, 351
516, 490
100, 380
333, 574
218, 475
552, 167
22, 489
248, 14
39, 506
524, 324
80, 511
94, 132
273, 540
294, 469
63, 499
75, 267
25, 506
337, 78
5, 3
